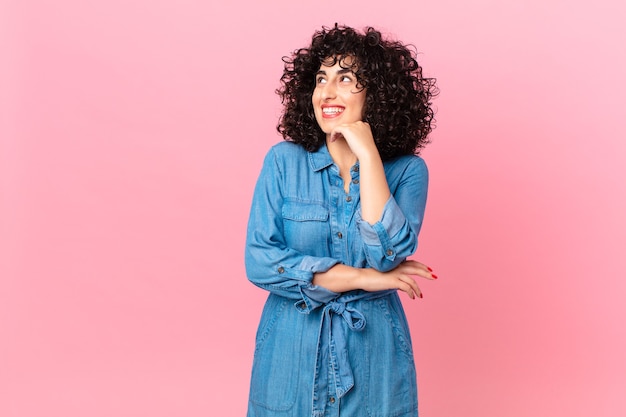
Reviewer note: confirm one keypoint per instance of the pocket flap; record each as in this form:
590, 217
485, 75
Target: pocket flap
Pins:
300, 211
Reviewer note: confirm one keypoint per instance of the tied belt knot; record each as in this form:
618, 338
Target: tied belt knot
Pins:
353, 317
332, 350
333, 338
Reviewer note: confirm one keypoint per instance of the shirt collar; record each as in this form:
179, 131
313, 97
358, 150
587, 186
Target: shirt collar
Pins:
320, 159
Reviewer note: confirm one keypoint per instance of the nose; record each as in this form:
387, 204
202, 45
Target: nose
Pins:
329, 91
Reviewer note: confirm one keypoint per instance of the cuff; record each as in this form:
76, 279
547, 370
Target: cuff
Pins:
313, 297
379, 234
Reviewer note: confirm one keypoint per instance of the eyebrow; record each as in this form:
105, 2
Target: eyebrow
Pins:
341, 71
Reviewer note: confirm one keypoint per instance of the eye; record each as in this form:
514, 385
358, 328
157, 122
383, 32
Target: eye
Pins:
320, 80
346, 79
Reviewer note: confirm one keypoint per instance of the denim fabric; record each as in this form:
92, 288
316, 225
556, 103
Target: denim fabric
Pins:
320, 353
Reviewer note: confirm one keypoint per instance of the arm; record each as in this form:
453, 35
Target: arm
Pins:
270, 264
342, 278
393, 238
374, 189
390, 220
396, 231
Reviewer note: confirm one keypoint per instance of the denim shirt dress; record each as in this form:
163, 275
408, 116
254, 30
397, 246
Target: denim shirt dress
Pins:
317, 352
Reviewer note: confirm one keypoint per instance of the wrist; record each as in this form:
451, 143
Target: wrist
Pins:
369, 156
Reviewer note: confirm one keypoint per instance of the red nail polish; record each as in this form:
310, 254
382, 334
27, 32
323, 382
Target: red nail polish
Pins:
421, 296
429, 269
434, 276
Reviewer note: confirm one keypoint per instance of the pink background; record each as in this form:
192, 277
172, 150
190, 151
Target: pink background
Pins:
132, 133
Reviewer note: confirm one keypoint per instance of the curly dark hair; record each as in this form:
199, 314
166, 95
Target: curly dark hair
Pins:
398, 98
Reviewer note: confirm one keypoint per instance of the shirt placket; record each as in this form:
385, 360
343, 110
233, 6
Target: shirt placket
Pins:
342, 206
349, 208
337, 227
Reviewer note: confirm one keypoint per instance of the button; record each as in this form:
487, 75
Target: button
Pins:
332, 400
348, 199
389, 252
281, 269
355, 181
339, 235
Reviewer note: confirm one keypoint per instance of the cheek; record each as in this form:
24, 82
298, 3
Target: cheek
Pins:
359, 106
317, 113
315, 96
363, 105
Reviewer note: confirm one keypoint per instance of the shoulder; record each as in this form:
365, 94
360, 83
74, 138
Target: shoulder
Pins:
287, 149
286, 154
406, 164
407, 172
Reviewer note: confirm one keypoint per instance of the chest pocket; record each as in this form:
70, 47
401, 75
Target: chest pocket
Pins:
306, 227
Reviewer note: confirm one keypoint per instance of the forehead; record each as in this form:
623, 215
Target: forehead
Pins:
344, 61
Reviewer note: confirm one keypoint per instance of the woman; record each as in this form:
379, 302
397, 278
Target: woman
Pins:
336, 211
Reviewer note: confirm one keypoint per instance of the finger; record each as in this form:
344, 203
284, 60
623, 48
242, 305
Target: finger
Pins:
410, 282
403, 286
335, 134
416, 289
417, 268
419, 264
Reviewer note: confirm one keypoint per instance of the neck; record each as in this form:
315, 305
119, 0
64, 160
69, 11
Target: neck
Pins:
341, 153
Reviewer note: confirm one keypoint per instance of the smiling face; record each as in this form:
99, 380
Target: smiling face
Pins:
337, 98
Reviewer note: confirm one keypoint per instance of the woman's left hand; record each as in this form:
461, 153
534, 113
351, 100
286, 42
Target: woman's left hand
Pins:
358, 136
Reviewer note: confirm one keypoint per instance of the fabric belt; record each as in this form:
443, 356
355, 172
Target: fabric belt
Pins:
332, 344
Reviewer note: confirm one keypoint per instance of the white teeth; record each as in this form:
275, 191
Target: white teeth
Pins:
332, 110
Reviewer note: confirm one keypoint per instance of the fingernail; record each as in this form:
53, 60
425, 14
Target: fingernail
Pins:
421, 296
434, 276
429, 269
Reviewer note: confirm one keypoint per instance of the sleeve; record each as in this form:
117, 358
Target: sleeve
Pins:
270, 264
393, 238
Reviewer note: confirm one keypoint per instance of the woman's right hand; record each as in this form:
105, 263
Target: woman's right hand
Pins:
341, 278
402, 278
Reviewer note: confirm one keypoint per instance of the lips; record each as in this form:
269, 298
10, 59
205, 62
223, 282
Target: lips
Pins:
330, 111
